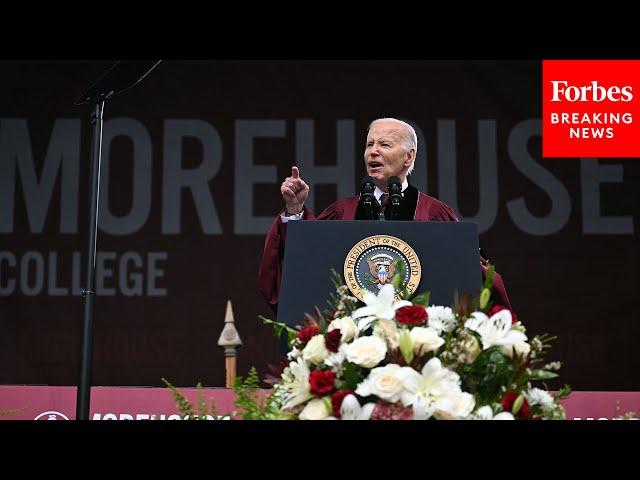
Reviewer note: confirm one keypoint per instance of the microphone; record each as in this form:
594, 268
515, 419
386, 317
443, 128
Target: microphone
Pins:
368, 204
366, 190
394, 187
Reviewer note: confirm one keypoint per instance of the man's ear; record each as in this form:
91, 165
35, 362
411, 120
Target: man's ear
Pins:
411, 157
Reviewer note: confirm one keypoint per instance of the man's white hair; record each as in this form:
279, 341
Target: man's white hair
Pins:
409, 137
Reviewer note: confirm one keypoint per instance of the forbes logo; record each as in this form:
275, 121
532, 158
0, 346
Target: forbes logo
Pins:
562, 91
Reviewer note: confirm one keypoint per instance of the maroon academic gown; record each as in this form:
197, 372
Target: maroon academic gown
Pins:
428, 209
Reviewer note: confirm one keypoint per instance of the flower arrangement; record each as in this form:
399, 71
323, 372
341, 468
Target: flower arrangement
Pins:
400, 358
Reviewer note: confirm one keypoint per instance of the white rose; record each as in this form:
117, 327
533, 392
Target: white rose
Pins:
385, 382
315, 350
455, 406
387, 330
347, 328
366, 351
316, 409
425, 339
522, 349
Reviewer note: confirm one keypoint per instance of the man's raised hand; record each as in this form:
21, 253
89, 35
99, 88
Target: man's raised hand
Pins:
294, 192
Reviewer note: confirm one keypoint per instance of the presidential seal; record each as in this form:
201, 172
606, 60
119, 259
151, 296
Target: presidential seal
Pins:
371, 264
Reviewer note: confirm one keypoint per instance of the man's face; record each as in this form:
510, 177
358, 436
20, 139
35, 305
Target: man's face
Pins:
385, 154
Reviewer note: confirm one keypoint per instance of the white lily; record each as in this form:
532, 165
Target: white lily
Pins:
351, 409
298, 389
381, 306
495, 330
336, 359
430, 391
294, 354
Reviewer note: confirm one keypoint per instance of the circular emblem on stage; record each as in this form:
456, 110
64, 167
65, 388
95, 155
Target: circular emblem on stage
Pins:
371, 264
51, 416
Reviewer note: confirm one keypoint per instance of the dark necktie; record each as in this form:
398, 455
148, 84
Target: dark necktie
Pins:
384, 199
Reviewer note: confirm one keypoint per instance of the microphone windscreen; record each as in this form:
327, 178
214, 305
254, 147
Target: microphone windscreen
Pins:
394, 185
366, 179
394, 180
367, 184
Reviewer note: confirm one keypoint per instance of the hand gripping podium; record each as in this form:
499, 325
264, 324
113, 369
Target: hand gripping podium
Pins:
447, 253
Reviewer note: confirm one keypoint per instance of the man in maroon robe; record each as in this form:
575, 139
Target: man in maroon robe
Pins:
390, 151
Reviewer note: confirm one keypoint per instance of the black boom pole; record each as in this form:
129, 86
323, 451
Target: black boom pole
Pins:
122, 76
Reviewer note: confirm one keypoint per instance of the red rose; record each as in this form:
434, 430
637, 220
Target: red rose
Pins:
332, 340
336, 401
321, 382
412, 315
497, 308
507, 404
307, 333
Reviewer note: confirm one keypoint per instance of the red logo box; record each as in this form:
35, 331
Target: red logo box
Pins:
591, 108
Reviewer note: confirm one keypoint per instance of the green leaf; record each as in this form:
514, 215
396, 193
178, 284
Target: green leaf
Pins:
406, 345
562, 393
336, 278
422, 299
246, 399
542, 375
398, 278
488, 281
484, 298
400, 268
351, 375
202, 404
327, 403
495, 356
185, 408
279, 328
404, 294
395, 281
517, 405
252, 407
